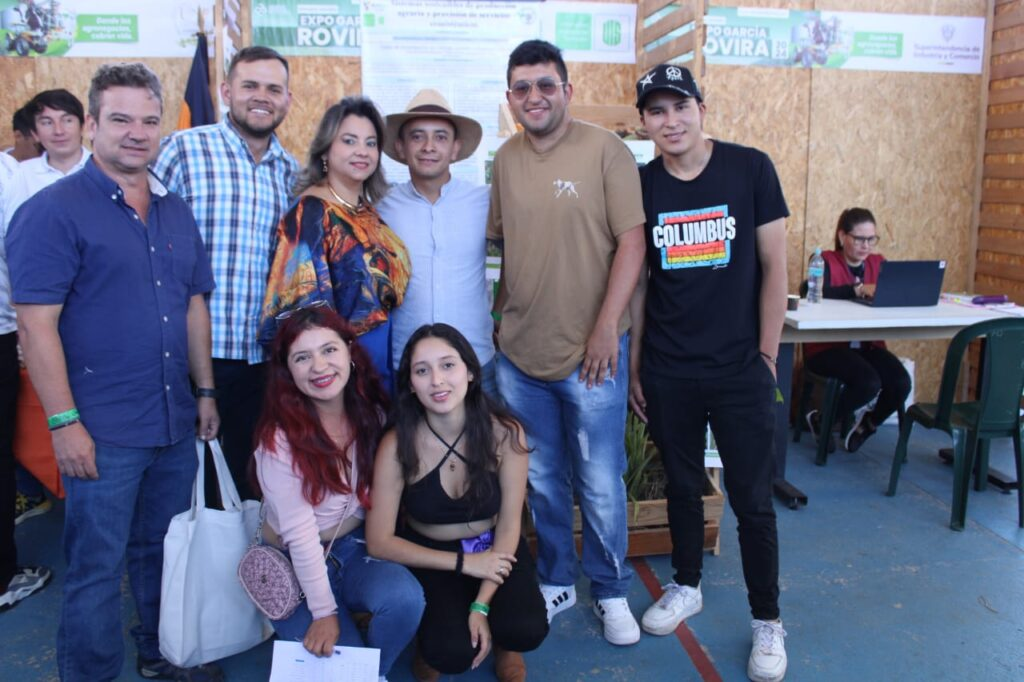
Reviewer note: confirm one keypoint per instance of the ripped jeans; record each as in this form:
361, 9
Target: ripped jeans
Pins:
384, 589
578, 440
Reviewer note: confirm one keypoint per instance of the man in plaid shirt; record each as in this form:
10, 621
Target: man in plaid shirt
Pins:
237, 178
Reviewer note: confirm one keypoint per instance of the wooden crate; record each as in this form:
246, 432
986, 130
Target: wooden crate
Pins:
648, 524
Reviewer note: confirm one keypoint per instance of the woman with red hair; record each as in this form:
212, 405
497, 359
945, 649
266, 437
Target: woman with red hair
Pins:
321, 423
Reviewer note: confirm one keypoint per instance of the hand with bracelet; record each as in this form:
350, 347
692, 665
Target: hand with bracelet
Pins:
479, 631
208, 419
73, 447
487, 565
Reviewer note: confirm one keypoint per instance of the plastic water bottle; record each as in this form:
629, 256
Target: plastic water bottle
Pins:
815, 277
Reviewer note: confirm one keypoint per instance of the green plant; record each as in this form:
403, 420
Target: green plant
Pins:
640, 451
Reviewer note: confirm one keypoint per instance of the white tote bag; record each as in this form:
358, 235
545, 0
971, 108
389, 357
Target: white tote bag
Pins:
205, 615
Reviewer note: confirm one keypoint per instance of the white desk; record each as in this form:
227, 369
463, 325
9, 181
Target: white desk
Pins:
833, 320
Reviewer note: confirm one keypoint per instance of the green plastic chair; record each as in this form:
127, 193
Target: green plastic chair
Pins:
995, 414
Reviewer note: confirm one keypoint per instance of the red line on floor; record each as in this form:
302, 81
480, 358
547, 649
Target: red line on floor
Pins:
704, 666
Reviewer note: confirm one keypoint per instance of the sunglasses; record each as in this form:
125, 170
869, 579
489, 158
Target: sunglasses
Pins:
546, 86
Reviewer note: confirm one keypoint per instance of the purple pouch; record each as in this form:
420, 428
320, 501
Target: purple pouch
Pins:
481, 543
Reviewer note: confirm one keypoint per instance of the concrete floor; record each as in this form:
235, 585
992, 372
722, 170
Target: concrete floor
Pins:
873, 588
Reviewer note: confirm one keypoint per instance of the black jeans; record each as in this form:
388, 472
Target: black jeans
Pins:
240, 389
518, 618
9, 380
867, 372
741, 411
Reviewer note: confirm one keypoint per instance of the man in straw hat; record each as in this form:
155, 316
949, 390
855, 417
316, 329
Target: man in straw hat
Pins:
716, 252
442, 221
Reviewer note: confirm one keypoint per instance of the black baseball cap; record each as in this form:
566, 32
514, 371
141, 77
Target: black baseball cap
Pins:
667, 77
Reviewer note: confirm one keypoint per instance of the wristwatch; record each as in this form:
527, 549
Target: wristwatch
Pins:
206, 392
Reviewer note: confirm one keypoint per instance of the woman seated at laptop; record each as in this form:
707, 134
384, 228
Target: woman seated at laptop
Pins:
876, 383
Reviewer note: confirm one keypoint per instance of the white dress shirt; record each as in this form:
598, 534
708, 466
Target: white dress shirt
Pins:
24, 180
447, 243
31, 176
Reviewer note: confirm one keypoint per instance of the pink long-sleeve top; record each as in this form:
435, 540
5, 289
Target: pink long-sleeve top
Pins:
298, 523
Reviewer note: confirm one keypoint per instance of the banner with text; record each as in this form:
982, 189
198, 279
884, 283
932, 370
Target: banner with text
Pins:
103, 28
294, 27
844, 40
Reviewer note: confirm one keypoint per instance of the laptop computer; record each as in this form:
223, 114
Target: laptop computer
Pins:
907, 283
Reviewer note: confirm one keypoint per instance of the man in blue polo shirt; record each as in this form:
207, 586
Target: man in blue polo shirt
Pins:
108, 274
237, 178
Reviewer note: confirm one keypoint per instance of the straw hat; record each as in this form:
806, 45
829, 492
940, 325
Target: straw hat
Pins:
429, 103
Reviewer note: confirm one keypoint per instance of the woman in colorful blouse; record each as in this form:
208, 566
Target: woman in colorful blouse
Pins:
332, 244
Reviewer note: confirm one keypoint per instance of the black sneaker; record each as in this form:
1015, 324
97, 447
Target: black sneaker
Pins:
863, 429
26, 507
27, 581
162, 669
814, 424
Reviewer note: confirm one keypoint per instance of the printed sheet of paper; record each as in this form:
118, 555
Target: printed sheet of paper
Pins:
292, 663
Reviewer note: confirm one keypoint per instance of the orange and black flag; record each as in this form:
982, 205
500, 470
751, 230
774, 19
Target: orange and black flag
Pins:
197, 109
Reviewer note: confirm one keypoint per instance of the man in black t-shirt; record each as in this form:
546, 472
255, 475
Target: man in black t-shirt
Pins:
704, 344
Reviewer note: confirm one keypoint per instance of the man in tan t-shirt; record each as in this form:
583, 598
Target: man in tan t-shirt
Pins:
565, 203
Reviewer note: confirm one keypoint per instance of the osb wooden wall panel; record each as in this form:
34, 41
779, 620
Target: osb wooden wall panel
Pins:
316, 83
900, 144
25, 76
1000, 256
767, 108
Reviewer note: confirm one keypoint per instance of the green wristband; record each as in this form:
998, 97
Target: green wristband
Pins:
480, 608
62, 418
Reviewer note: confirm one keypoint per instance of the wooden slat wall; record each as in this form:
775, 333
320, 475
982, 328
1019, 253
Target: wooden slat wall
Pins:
999, 264
683, 12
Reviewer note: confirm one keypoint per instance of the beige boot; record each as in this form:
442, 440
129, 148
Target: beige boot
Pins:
509, 666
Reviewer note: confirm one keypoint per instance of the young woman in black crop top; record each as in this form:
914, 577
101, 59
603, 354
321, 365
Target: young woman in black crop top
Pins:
456, 464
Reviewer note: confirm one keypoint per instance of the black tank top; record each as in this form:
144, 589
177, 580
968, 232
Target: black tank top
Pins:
427, 502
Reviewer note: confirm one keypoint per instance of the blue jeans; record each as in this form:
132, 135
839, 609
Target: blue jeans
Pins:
361, 583
116, 521
578, 436
489, 380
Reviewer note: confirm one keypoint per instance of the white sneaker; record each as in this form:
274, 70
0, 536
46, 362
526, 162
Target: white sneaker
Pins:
768, 656
619, 624
676, 604
558, 598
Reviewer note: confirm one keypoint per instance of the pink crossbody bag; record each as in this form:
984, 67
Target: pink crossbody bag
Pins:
268, 577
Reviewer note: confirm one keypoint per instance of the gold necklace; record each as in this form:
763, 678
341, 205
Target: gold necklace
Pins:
342, 201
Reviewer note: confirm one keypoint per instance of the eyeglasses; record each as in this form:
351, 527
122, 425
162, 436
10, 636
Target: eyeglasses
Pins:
546, 86
284, 315
864, 241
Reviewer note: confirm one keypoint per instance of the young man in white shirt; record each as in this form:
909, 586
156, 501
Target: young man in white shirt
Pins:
57, 118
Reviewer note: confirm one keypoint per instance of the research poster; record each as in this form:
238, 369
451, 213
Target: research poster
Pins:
458, 48
103, 28
844, 40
